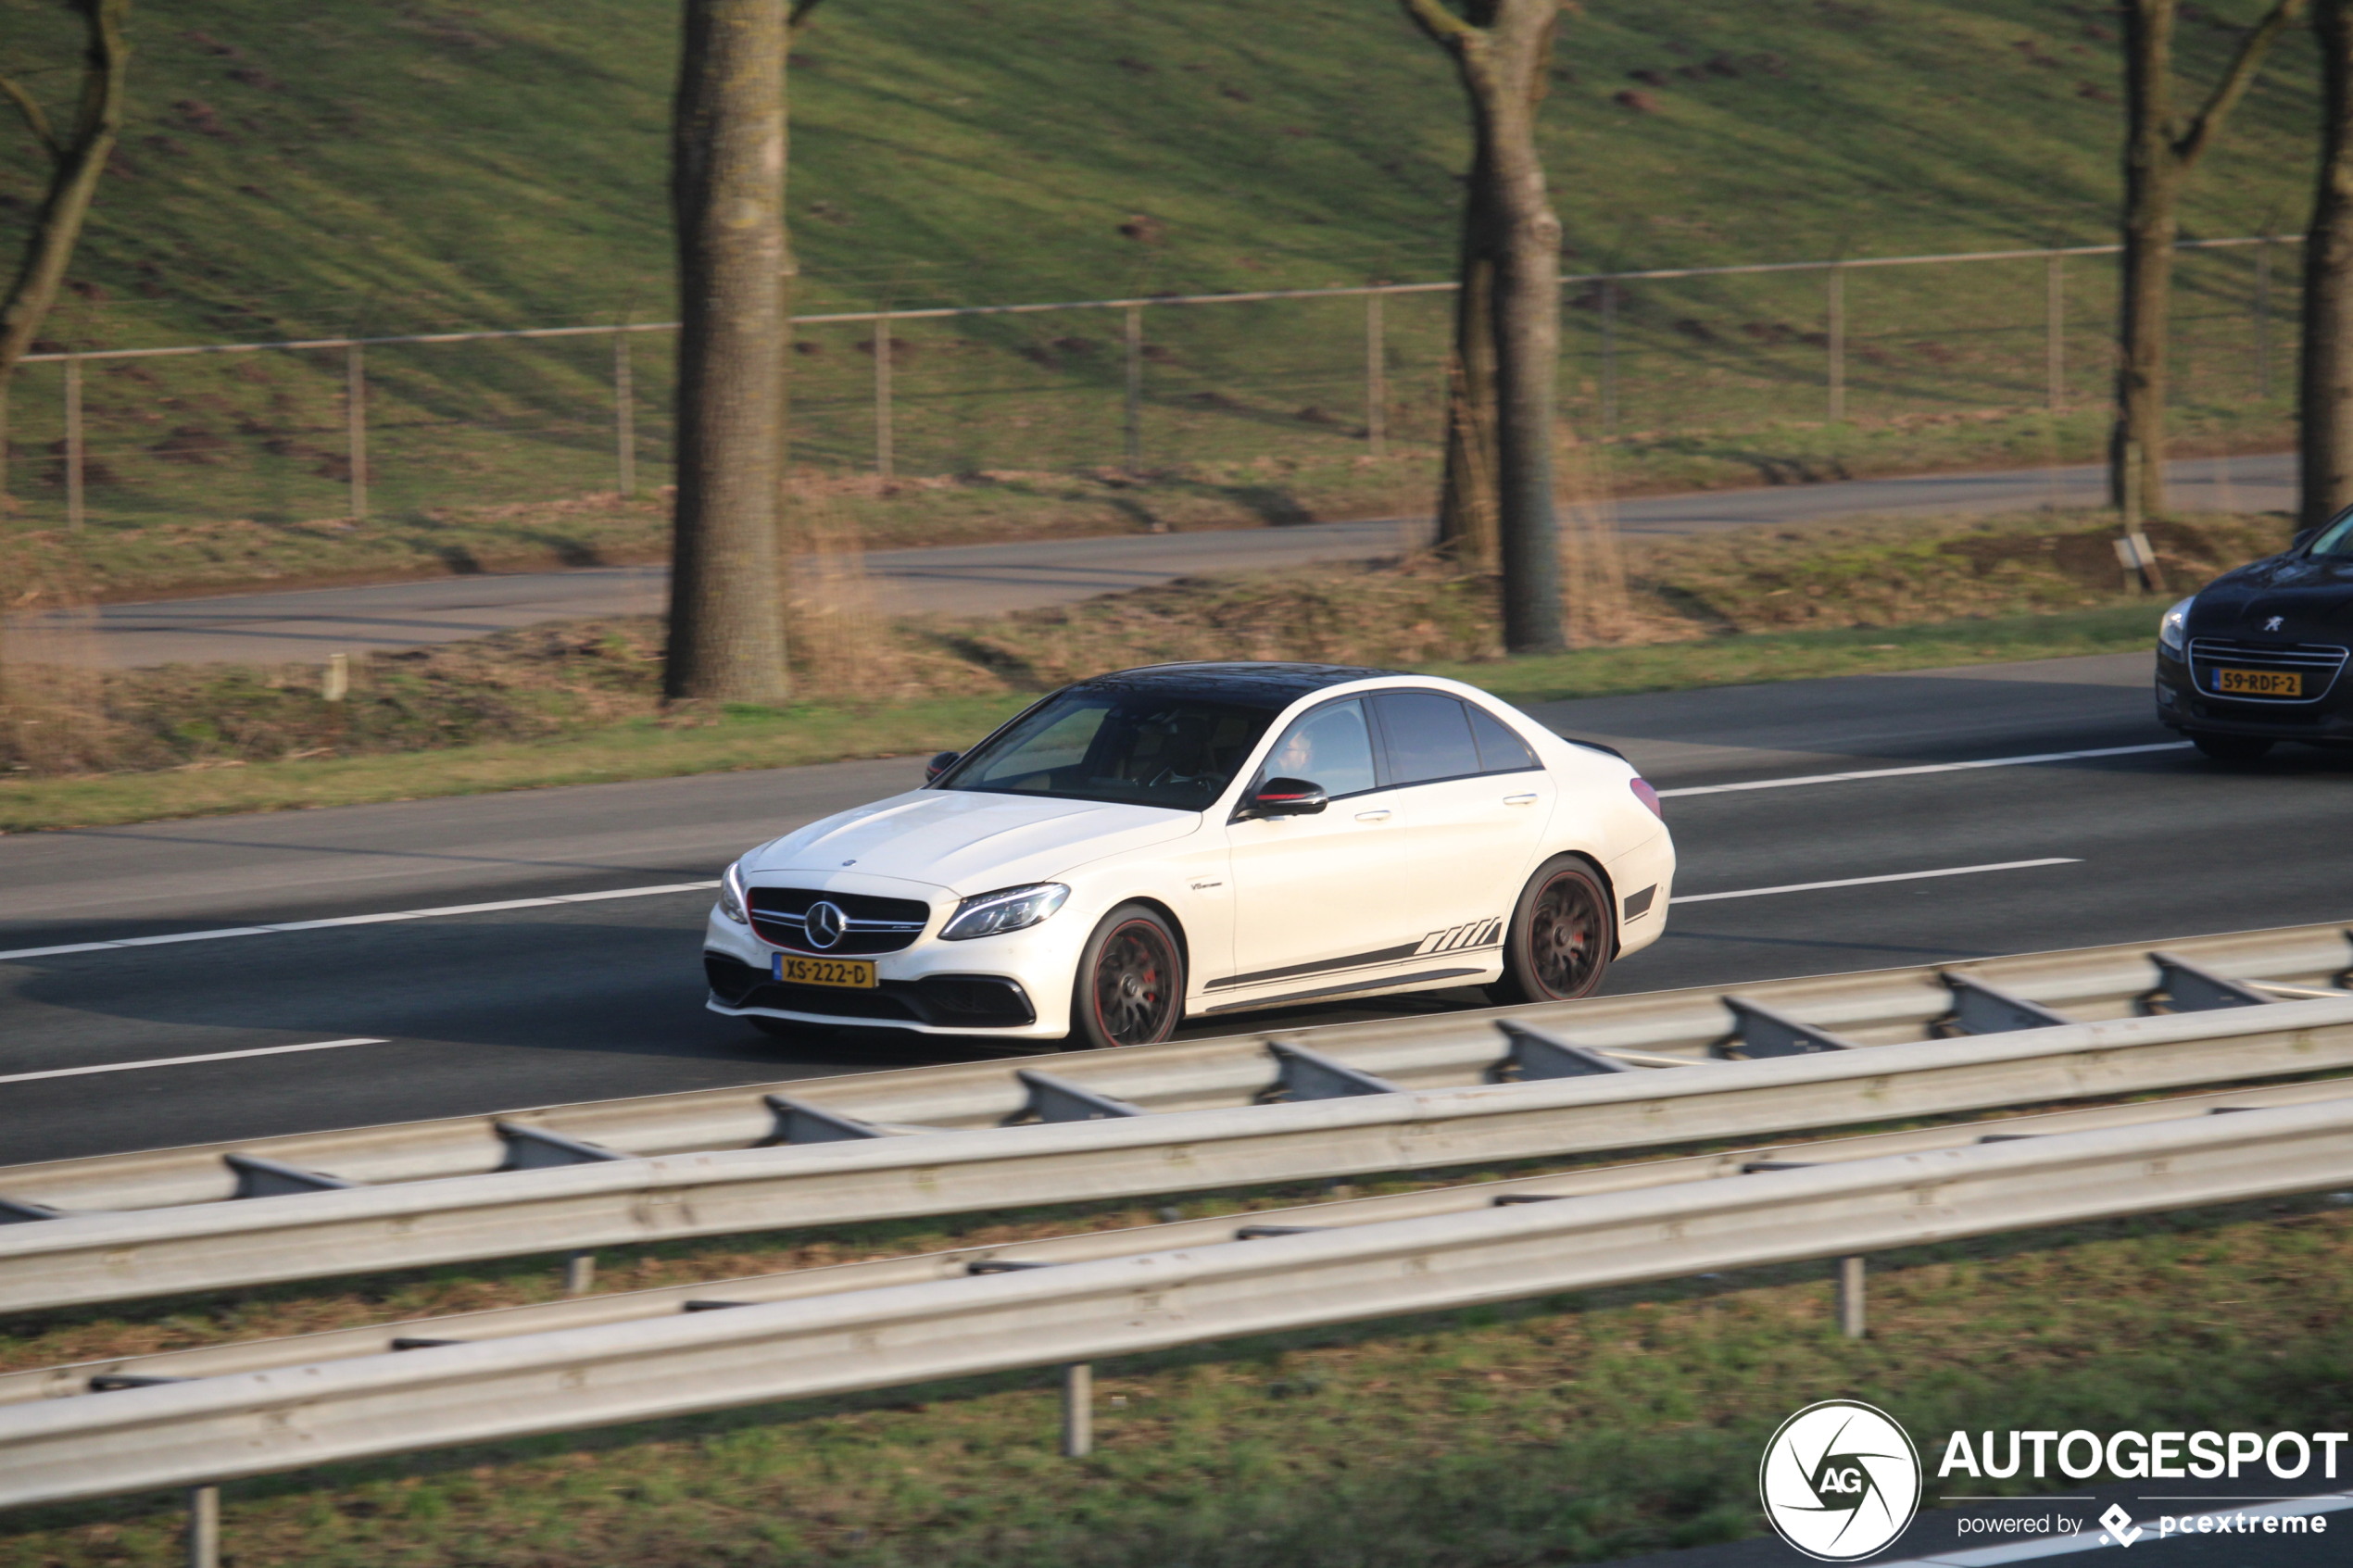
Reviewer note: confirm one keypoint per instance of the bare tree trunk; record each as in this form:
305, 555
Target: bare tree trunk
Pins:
727, 186
1468, 500
2160, 152
2324, 414
77, 160
1511, 254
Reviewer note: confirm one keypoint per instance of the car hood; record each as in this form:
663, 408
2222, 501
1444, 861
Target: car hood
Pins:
966, 841
2311, 598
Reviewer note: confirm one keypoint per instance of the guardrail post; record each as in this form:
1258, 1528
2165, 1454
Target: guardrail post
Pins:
1838, 343
1850, 1297
1376, 379
74, 465
1135, 423
624, 414
2054, 330
882, 459
580, 1274
1609, 357
1078, 1410
2263, 317
355, 400
204, 1527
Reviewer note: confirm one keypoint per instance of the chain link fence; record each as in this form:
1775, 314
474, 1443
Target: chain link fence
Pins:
349, 427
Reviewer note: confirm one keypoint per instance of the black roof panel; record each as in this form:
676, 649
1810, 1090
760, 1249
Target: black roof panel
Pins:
1266, 684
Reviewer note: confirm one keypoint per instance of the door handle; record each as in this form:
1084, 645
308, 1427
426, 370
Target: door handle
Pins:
1379, 816
1528, 799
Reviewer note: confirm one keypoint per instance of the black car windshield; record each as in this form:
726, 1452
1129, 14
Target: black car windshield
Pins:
1133, 747
2336, 539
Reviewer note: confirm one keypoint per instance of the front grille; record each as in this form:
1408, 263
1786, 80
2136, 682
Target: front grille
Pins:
2318, 663
874, 925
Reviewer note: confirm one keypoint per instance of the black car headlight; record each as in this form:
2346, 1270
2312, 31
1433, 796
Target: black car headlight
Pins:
1008, 908
731, 894
2173, 631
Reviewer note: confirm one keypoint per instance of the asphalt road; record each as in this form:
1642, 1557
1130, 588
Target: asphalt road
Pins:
504, 1008
989, 578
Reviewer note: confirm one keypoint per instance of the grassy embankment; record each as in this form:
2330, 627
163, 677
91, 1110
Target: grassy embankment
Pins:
577, 703
305, 170
1565, 1429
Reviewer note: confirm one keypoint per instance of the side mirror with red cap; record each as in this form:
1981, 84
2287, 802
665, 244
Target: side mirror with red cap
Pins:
1284, 798
940, 764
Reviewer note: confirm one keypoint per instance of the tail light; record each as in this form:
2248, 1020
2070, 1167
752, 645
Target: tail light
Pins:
1647, 796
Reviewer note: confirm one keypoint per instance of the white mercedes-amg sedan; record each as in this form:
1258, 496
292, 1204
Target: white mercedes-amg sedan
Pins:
1192, 840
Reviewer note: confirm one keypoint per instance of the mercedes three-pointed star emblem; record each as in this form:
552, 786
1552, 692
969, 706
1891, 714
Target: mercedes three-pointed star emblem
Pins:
826, 923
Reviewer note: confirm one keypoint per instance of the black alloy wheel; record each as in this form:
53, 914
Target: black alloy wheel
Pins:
1562, 936
2230, 748
1130, 987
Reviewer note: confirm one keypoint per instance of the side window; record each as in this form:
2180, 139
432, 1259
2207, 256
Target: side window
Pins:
1332, 747
1500, 751
1428, 736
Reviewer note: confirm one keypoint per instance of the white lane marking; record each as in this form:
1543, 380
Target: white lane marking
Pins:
355, 920
180, 1060
1865, 881
1923, 768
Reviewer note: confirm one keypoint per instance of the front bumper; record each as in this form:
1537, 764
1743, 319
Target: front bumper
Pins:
1017, 984
2180, 706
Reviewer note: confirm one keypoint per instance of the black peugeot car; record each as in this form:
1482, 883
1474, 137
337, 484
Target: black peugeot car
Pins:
2257, 656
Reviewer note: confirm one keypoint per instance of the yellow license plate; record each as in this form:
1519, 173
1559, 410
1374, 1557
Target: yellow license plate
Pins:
858, 974
2260, 683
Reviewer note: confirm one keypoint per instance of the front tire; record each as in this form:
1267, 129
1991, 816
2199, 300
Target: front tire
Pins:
1130, 986
2230, 748
1561, 938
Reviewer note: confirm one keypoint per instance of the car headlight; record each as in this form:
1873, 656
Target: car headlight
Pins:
1008, 908
731, 894
2174, 630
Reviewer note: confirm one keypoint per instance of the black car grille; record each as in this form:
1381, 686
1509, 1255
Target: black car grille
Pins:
2319, 663
947, 1001
874, 924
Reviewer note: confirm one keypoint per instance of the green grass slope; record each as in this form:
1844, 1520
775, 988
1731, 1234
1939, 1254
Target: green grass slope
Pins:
316, 168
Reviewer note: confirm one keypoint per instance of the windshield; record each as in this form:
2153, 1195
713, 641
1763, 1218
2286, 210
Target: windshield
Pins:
1132, 747
2336, 539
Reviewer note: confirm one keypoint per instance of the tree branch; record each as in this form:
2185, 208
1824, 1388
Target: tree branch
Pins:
2193, 143
33, 118
1440, 25
799, 18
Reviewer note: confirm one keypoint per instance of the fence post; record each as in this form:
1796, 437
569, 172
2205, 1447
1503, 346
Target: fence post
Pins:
74, 466
1609, 357
624, 414
1078, 1410
1376, 378
1135, 429
1838, 343
204, 1527
355, 399
2054, 330
882, 462
1850, 1297
2263, 317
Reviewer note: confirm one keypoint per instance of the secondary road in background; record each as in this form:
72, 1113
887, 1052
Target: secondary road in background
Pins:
308, 624
500, 1008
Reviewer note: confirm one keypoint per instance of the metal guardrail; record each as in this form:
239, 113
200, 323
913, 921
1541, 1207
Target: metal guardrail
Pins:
117, 1372
217, 1428
1390, 1097
1872, 1007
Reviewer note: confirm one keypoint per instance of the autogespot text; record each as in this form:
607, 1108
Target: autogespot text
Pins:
2154, 1456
